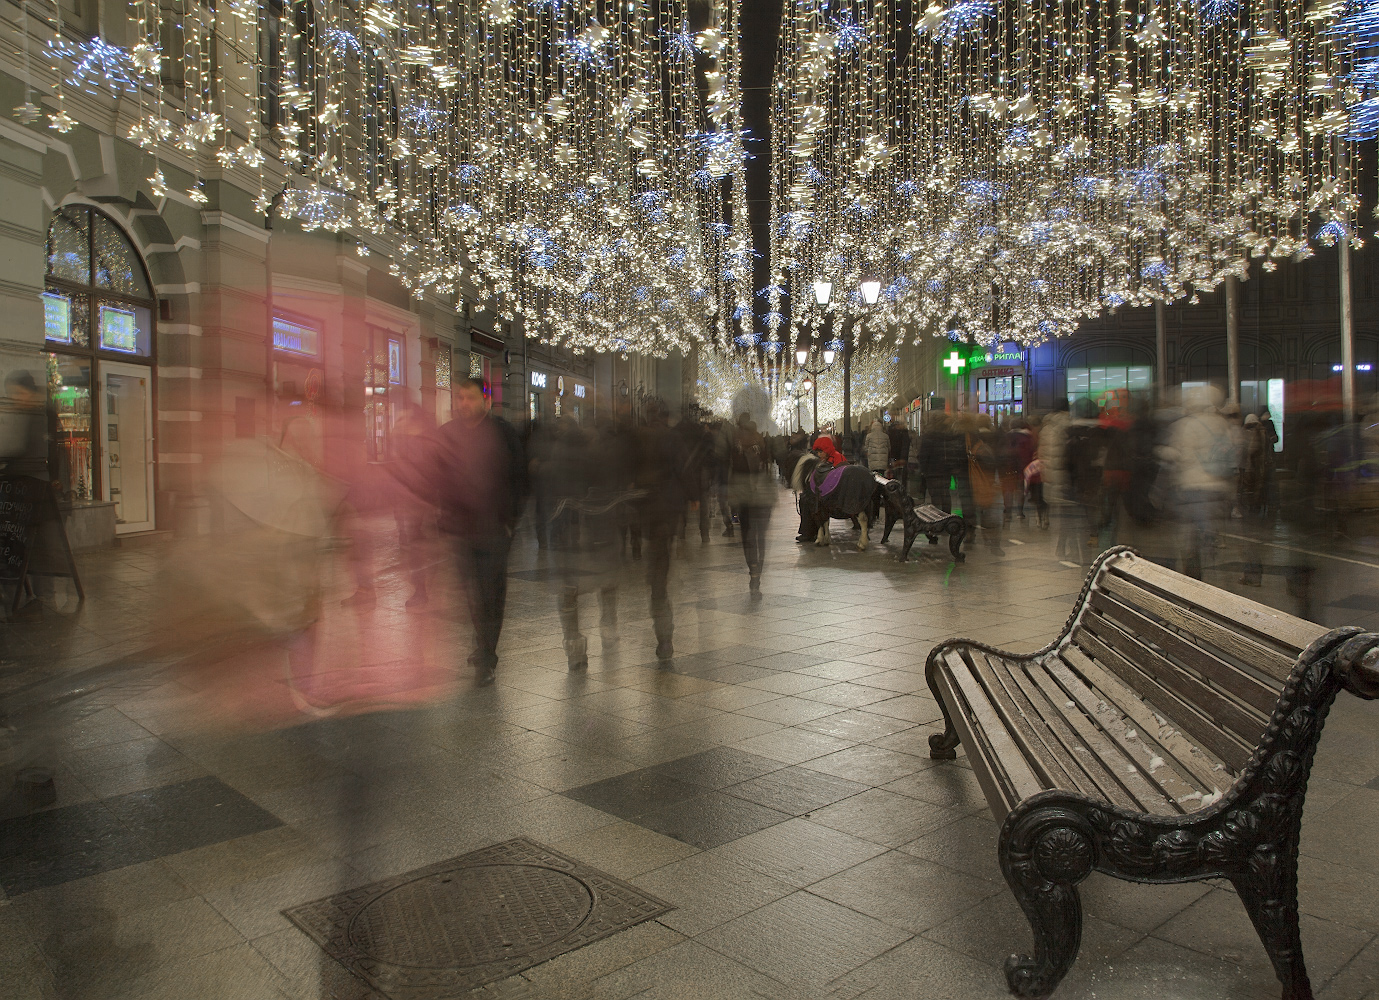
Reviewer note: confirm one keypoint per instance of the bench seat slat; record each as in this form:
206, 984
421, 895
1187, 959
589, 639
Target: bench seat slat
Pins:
1249, 689
1072, 666
1121, 779
1178, 712
1244, 722
1064, 770
1171, 782
1004, 768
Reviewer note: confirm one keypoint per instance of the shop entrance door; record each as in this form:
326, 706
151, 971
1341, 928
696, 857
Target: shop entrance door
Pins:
127, 444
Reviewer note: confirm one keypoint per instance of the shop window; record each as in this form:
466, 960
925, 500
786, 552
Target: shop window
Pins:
443, 366
1104, 384
115, 265
98, 323
1001, 394
71, 459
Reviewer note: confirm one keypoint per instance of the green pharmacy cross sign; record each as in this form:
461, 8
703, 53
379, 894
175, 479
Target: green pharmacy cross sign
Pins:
954, 363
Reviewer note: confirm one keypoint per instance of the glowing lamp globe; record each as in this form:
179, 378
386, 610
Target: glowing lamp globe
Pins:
871, 291
802, 355
822, 291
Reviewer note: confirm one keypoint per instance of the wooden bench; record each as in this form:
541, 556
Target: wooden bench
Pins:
1165, 736
926, 520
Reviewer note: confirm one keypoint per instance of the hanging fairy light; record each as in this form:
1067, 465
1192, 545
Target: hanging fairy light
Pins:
555, 162
1006, 171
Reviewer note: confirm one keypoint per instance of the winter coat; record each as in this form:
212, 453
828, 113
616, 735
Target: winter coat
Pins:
1053, 439
900, 442
878, 448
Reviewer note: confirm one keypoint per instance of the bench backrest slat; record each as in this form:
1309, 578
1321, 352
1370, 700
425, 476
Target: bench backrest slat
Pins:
1240, 646
1267, 626
1247, 687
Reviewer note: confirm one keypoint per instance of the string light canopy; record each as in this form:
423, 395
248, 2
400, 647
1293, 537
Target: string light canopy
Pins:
1002, 170
565, 162
874, 383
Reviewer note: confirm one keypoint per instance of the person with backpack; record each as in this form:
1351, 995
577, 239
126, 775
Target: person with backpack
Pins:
751, 494
1204, 456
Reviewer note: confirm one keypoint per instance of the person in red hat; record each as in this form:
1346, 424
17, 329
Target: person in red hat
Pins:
823, 444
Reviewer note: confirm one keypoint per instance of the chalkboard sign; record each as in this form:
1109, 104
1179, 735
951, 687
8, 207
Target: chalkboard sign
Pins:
33, 539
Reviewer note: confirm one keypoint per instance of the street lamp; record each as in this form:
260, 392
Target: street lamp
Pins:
822, 291
871, 291
812, 383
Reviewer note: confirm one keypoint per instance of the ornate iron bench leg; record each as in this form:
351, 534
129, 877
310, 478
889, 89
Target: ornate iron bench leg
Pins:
957, 531
944, 745
1271, 900
1044, 853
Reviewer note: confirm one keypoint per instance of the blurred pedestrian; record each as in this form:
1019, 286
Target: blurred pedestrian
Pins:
752, 495
899, 435
1019, 453
414, 436
877, 448
1204, 457
1251, 496
660, 473
481, 481
934, 470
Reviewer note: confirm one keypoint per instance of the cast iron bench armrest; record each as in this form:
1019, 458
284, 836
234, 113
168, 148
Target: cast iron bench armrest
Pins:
1166, 735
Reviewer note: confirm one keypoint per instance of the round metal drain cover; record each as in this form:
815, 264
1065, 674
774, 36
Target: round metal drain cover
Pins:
471, 916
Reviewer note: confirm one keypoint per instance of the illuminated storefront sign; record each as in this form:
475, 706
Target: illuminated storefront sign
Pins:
295, 338
119, 330
57, 318
538, 380
579, 391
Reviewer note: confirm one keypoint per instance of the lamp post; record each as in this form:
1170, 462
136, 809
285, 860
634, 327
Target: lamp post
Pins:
802, 357
823, 290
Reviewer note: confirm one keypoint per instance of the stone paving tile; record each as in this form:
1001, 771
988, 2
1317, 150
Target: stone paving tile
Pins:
855, 725
872, 764
884, 817
1217, 925
995, 928
788, 711
904, 891
667, 975
792, 746
802, 938
796, 790
799, 852
623, 849
708, 890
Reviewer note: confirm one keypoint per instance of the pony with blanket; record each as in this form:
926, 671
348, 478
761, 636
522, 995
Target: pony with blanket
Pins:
848, 492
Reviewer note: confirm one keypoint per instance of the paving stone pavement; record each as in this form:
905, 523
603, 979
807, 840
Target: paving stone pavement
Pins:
772, 782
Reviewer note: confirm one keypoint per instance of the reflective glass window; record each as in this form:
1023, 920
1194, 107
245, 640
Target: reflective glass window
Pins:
117, 265
69, 246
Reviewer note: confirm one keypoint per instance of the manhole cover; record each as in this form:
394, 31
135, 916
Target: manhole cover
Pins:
471, 916
452, 926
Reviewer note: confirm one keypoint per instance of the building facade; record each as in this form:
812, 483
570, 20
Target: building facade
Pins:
162, 327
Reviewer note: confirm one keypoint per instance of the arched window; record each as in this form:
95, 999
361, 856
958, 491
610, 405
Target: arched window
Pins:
98, 325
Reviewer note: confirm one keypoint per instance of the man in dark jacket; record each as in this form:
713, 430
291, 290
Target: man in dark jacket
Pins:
480, 473
900, 452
